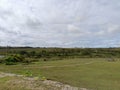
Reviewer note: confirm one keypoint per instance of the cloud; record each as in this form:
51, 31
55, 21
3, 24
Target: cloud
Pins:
114, 29
64, 23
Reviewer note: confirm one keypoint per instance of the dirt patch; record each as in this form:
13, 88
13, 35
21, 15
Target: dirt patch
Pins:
33, 84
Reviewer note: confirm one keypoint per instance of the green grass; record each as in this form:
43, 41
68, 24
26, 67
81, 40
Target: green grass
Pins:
94, 73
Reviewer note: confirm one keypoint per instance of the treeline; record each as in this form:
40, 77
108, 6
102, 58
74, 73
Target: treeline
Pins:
62, 52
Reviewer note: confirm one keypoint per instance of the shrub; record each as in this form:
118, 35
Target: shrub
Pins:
12, 59
25, 53
28, 74
10, 63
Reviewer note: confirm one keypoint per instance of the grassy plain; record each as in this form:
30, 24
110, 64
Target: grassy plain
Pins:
91, 73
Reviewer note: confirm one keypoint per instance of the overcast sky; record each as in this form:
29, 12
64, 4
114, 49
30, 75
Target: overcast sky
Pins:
60, 23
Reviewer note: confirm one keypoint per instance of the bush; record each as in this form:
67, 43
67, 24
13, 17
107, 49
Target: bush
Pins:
12, 59
10, 63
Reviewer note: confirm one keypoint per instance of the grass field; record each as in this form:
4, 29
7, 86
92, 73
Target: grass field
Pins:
94, 73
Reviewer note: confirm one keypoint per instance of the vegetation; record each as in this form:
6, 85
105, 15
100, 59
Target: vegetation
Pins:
61, 52
94, 73
13, 59
5, 85
92, 68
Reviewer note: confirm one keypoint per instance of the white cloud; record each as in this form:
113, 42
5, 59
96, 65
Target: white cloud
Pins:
59, 23
73, 28
114, 29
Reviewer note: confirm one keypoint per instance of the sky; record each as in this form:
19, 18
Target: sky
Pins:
60, 23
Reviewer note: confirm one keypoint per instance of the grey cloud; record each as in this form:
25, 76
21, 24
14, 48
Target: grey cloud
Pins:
59, 23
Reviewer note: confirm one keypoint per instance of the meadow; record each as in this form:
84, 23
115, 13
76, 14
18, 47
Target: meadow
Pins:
94, 69
94, 73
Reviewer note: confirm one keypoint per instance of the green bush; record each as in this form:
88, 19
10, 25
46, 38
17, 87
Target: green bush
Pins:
12, 59
10, 63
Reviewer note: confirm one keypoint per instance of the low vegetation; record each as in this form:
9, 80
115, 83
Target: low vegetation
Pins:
94, 73
95, 69
48, 53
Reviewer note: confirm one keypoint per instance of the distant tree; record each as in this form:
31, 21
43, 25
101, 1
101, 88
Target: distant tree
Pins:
23, 52
86, 52
32, 53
